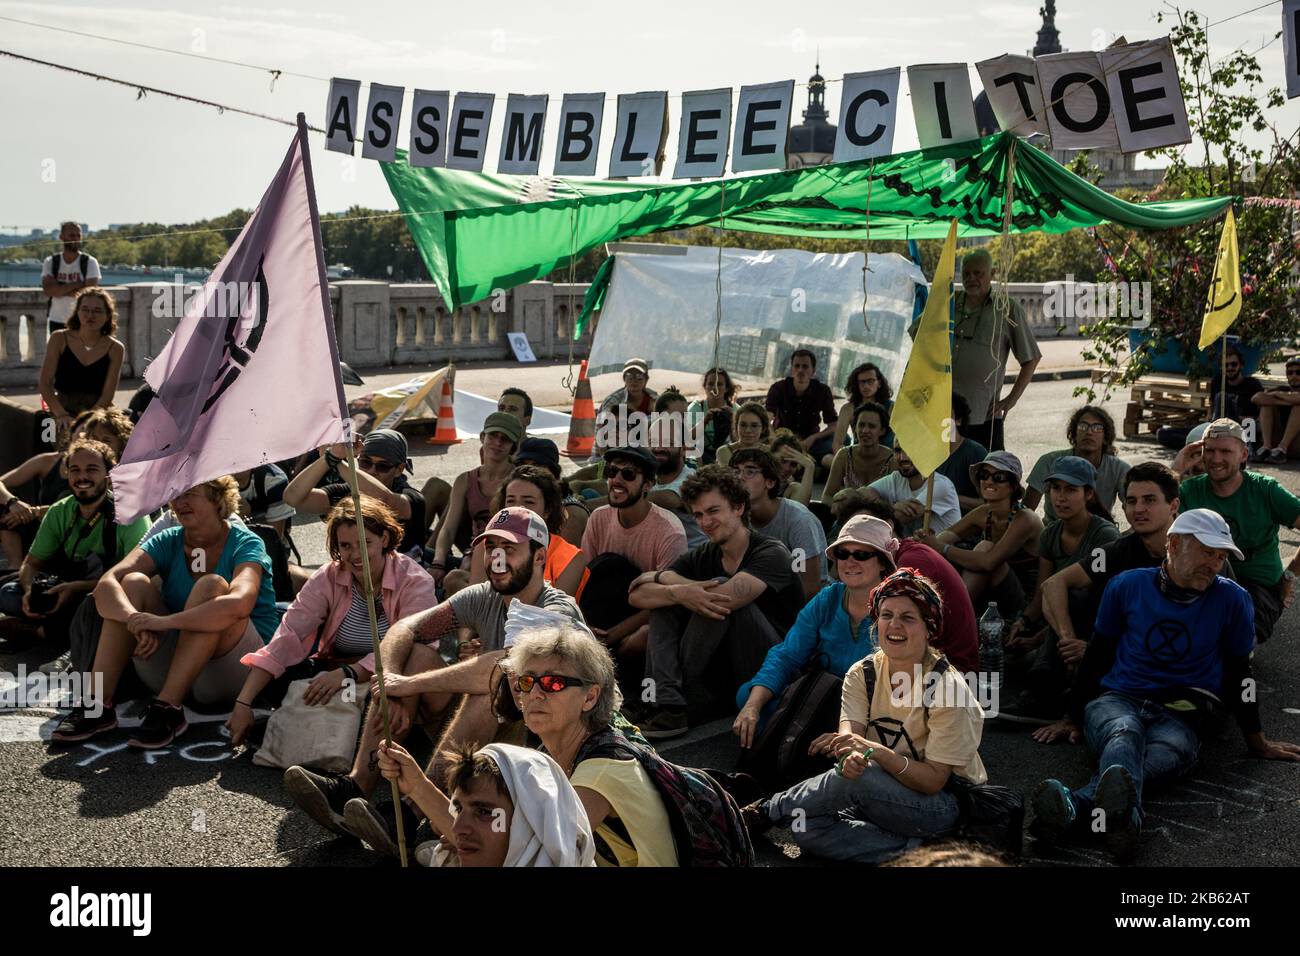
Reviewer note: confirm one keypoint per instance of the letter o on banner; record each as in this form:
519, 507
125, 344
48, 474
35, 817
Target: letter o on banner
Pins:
1078, 104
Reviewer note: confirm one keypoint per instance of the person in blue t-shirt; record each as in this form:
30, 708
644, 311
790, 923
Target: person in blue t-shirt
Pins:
216, 604
1169, 654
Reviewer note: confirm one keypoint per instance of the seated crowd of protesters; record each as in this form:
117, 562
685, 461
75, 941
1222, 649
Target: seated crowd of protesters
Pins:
545, 631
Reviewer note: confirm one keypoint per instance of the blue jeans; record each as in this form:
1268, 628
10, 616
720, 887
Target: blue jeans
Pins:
1141, 736
867, 820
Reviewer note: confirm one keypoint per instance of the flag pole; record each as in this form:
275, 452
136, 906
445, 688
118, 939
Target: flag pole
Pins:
369, 591
327, 311
1223, 376
929, 502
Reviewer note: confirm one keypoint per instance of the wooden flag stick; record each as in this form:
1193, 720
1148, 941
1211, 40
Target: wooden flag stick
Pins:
929, 502
374, 640
1223, 377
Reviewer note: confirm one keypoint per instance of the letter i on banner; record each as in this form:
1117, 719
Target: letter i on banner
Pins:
1290, 29
924, 399
941, 104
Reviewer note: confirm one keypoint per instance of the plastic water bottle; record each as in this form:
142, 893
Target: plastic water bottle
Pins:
991, 626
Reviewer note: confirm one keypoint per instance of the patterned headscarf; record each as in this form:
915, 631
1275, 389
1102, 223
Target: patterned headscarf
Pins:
910, 583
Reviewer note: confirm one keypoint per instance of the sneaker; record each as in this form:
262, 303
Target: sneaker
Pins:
1117, 797
1025, 708
1054, 812
79, 725
376, 827
1259, 454
162, 723
756, 818
664, 723
323, 797
60, 665
1277, 456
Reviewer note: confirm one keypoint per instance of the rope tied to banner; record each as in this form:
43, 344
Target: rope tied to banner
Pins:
866, 242
567, 383
1000, 291
717, 285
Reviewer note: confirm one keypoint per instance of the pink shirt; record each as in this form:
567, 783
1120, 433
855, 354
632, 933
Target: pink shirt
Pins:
325, 599
652, 545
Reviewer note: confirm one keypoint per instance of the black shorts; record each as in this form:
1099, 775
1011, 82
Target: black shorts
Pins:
1268, 607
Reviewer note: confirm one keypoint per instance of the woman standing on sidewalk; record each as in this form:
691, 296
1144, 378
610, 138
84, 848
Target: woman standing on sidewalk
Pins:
83, 362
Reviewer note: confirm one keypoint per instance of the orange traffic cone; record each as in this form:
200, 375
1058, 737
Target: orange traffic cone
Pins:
446, 433
582, 423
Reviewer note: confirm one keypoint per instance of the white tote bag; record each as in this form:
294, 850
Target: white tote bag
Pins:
321, 736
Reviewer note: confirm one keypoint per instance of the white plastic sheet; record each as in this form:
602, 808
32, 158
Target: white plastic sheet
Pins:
661, 306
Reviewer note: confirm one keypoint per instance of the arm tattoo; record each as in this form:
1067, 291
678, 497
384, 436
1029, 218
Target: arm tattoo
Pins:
430, 625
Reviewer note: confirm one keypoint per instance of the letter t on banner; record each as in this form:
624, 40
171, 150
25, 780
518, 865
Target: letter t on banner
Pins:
924, 402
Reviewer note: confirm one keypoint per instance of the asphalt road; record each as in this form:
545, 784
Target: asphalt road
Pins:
197, 802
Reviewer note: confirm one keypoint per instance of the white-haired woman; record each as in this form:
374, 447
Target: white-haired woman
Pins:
216, 604
564, 685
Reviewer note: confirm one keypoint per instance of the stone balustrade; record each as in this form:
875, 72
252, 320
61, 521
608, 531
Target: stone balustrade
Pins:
379, 324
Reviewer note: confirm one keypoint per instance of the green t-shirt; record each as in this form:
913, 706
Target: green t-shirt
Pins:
61, 531
1253, 514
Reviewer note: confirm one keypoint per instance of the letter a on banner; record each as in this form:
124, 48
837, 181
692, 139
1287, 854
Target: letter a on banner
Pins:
382, 118
1290, 29
341, 110
1223, 304
924, 401
868, 109
941, 103
579, 142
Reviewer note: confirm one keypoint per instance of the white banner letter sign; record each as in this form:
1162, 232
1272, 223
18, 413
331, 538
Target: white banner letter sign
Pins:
762, 126
429, 127
1290, 29
341, 132
639, 135
1142, 79
941, 103
1078, 104
1011, 84
580, 116
469, 130
703, 134
521, 136
383, 117
868, 109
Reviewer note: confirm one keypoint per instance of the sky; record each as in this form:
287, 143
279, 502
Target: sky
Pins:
74, 148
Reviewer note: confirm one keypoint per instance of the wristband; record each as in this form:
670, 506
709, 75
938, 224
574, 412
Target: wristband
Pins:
332, 460
245, 703
906, 763
658, 575
349, 672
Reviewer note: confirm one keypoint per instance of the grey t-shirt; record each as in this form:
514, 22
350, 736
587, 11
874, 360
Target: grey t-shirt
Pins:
799, 530
483, 609
1110, 479
1100, 532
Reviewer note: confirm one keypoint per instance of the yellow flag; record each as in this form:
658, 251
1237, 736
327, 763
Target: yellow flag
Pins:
922, 419
1224, 302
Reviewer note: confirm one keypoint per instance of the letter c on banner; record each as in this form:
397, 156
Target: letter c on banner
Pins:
868, 108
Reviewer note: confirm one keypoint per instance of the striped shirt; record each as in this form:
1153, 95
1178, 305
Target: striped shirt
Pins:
353, 637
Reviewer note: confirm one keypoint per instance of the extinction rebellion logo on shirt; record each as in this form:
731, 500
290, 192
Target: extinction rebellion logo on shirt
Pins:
76, 909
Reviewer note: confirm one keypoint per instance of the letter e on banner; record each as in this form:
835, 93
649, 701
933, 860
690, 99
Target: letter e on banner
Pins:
762, 126
468, 133
868, 112
521, 136
341, 110
1078, 104
1011, 84
1290, 28
579, 142
703, 134
639, 135
1142, 80
382, 119
429, 128
941, 103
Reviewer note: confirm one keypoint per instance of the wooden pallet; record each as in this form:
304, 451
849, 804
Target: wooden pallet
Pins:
1174, 400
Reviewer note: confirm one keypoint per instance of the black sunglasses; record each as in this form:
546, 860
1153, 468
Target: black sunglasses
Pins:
843, 554
626, 472
376, 464
997, 477
550, 683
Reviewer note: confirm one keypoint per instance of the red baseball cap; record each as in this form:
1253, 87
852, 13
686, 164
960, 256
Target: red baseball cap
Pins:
517, 525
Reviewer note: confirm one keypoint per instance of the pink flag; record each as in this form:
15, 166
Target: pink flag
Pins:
251, 374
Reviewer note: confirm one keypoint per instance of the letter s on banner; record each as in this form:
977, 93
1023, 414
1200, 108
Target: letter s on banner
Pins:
428, 145
383, 116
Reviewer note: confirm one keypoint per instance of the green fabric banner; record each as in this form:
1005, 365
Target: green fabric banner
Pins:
478, 232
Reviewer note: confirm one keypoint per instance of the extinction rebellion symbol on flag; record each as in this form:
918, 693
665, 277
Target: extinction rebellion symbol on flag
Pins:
236, 355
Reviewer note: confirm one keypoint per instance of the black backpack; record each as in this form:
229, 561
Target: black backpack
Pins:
987, 814
808, 707
705, 819
54, 271
279, 555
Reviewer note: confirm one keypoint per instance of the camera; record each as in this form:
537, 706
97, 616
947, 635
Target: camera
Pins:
41, 601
